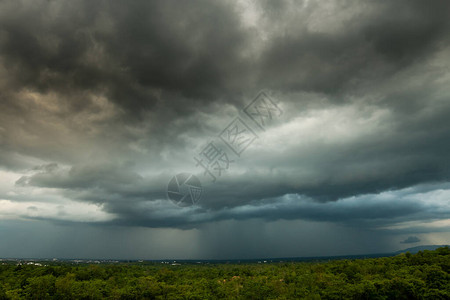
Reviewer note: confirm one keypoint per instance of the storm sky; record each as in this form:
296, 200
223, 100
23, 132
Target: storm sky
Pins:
103, 102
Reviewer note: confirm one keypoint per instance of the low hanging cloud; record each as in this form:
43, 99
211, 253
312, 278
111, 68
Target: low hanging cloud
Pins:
411, 240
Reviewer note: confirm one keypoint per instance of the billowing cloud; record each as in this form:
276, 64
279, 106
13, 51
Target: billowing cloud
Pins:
102, 103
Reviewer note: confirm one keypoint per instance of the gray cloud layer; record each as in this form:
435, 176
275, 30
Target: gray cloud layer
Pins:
105, 101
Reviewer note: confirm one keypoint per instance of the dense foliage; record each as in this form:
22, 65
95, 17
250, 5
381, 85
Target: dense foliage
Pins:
424, 275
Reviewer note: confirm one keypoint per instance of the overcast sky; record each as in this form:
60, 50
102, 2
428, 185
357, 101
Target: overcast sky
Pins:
329, 121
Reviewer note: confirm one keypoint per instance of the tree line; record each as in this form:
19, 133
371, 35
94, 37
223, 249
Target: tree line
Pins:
425, 275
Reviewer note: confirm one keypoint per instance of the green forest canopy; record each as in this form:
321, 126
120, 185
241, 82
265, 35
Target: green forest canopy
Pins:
424, 275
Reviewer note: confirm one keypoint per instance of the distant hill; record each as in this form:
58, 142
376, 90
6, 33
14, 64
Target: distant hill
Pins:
416, 249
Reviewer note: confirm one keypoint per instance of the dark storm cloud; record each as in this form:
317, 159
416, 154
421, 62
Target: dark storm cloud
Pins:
377, 42
155, 60
138, 201
109, 98
404, 31
124, 49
